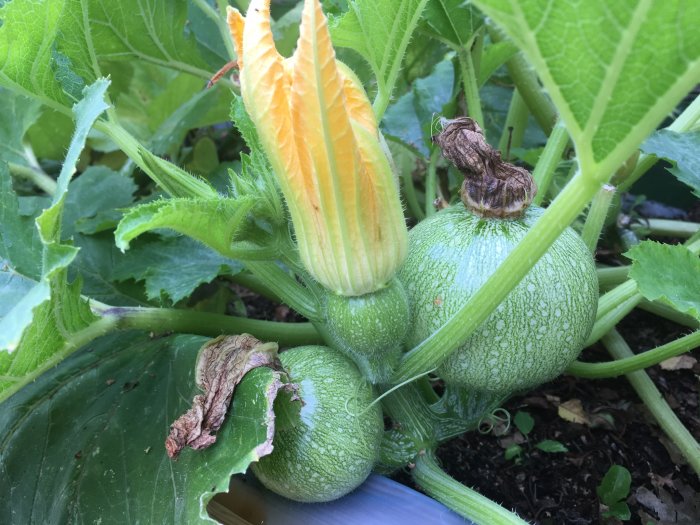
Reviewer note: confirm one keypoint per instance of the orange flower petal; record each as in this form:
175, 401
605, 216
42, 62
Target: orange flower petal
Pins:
236, 25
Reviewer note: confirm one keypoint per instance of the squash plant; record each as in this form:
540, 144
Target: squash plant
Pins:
96, 366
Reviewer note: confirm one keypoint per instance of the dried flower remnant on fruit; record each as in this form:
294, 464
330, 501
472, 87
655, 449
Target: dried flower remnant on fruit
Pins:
221, 365
492, 187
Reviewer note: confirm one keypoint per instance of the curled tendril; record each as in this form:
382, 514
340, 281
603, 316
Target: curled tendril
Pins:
488, 423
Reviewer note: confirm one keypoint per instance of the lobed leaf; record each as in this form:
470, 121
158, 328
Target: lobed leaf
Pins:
452, 21
594, 59
172, 267
84, 443
667, 273
380, 32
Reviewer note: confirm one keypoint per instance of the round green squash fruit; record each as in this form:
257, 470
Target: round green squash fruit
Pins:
538, 329
334, 444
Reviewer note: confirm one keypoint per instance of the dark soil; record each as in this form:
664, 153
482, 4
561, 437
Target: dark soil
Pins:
560, 487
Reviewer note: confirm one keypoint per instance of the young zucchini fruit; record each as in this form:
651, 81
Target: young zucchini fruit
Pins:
541, 326
332, 447
370, 329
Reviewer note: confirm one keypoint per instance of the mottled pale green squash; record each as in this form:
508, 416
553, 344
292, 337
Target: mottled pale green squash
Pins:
539, 328
333, 448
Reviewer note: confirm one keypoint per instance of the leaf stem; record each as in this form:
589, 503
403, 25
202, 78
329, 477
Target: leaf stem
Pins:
613, 306
201, 323
286, 287
613, 276
463, 500
655, 402
470, 85
529, 87
667, 228
595, 220
563, 210
431, 183
34, 175
514, 127
636, 362
548, 161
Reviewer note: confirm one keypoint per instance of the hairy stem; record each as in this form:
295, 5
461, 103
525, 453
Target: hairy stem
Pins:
637, 362
548, 161
595, 220
470, 85
667, 228
655, 402
431, 183
514, 128
463, 500
34, 175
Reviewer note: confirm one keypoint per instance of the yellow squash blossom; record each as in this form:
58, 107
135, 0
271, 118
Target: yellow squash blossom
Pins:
319, 132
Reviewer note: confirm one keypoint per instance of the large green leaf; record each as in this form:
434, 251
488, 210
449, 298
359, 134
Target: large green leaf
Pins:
85, 443
172, 267
18, 114
613, 69
452, 21
52, 48
215, 222
380, 32
42, 312
669, 274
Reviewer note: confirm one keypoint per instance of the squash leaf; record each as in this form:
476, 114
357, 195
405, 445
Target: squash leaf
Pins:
86, 443
380, 32
594, 60
667, 273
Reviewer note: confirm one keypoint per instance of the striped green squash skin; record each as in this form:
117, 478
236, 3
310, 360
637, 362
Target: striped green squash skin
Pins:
330, 451
534, 334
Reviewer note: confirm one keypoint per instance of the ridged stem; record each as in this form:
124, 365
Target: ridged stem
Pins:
613, 306
431, 183
34, 175
638, 361
596, 216
463, 500
514, 127
613, 276
529, 87
548, 161
655, 402
667, 228
286, 287
470, 84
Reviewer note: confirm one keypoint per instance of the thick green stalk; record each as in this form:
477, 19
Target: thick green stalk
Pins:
613, 306
202, 323
407, 407
169, 177
613, 276
286, 287
431, 183
655, 402
685, 121
665, 311
76, 340
514, 128
667, 228
34, 175
470, 85
548, 161
595, 219
463, 500
529, 87
637, 362
564, 209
